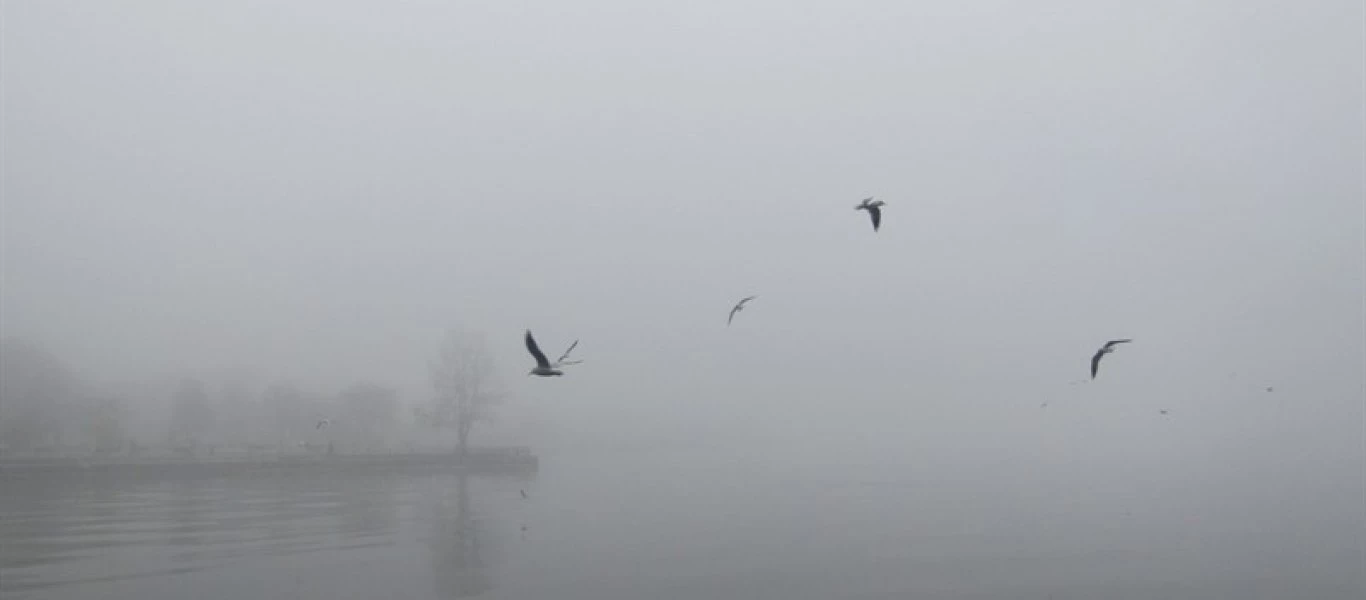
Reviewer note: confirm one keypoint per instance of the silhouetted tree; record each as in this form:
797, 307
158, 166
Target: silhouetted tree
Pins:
368, 409
191, 415
106, 424
233, 405
289, 408
35, 391
462, 376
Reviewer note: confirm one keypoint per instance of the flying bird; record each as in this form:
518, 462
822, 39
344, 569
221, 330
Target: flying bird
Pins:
545, 368
1106, 349
1162, 411
523, 494
323, 423
874, 208
739, 306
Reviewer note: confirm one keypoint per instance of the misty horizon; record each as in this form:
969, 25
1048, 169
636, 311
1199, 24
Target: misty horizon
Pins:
315, 194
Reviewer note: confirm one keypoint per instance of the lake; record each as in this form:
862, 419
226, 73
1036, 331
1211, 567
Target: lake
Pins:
678, 524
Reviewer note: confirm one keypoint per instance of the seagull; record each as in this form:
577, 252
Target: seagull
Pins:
323, 423
874, 210
1162, 411
545, 368
523, 494
1270, 389
739, 306
1106, 349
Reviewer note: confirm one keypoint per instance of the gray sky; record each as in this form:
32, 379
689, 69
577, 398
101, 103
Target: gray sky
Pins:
317, 189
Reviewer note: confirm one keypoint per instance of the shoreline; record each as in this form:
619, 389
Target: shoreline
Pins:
476, 460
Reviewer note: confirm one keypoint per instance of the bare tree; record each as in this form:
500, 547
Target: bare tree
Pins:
234, 404
191, 414
106, 417
462, 376
288, 406
368, 410
36, 392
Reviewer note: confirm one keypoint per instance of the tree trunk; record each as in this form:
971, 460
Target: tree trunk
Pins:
462, 436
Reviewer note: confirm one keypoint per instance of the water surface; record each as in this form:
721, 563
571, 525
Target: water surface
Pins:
664, 526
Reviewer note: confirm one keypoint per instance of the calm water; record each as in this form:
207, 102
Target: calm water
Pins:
627, 528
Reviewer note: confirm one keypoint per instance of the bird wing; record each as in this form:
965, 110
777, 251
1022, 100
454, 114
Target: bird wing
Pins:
1113, 342
536, 351
560, 360
864, 204
738, 308
876, 213
1095, 363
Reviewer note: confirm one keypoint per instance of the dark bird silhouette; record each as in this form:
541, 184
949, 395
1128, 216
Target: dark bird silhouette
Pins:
739, 306
874, 208
523, 494
544, 367
1106, 349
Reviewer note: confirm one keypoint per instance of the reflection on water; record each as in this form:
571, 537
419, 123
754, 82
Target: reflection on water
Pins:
665, 526
455, 543
68, 538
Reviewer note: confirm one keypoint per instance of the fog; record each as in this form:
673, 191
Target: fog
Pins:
315, 192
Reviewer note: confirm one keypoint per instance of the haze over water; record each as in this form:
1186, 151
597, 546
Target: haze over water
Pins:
693, 524
275, 211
